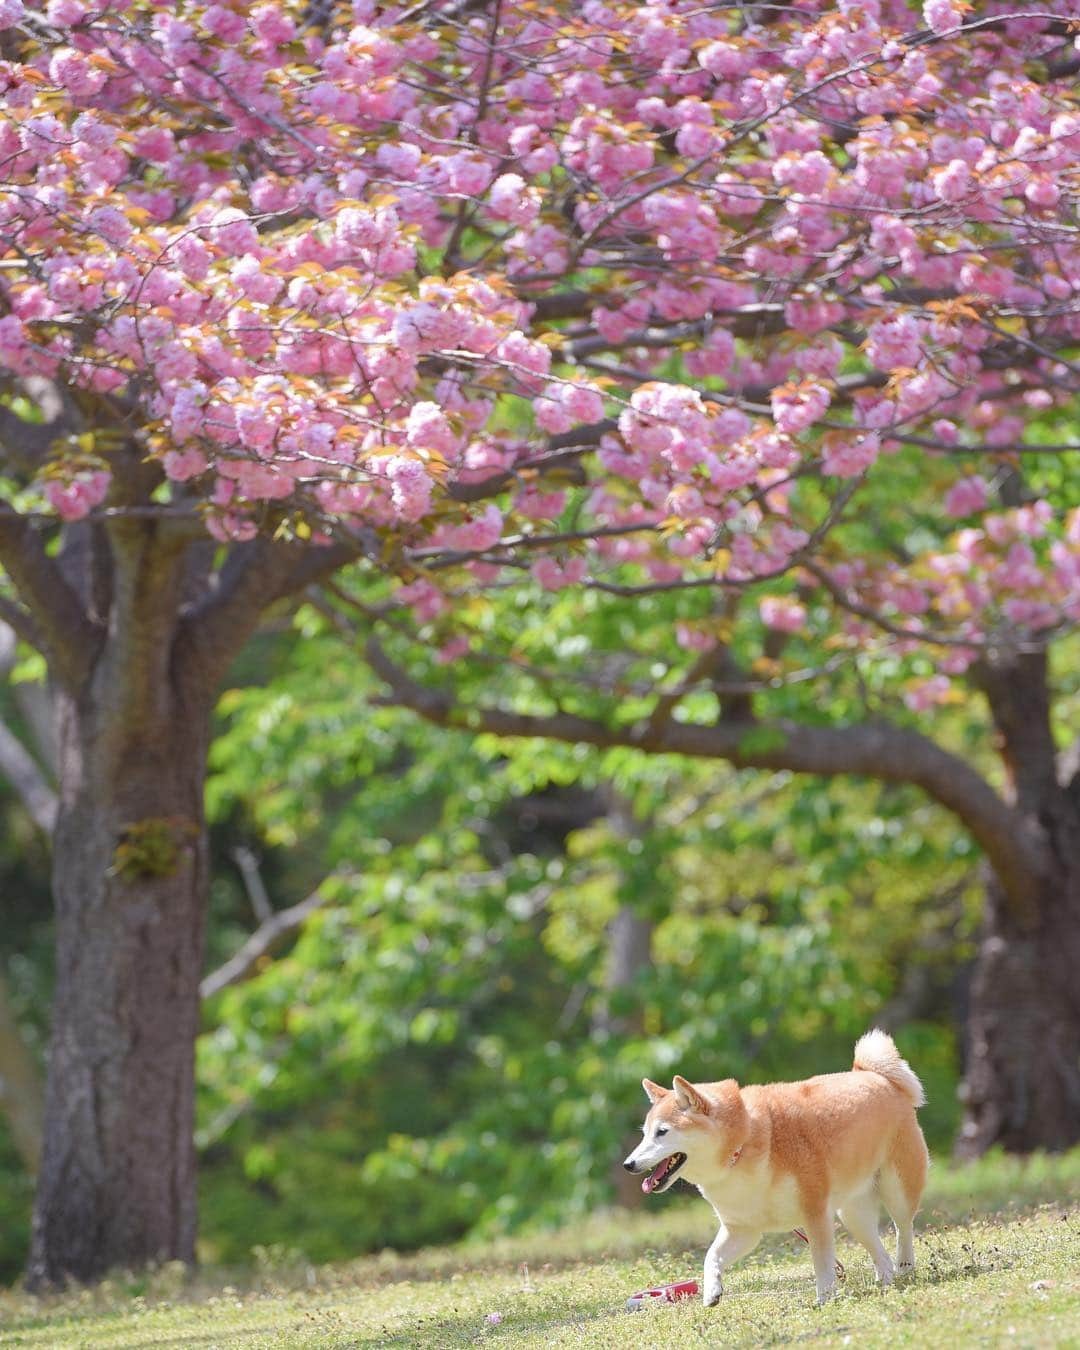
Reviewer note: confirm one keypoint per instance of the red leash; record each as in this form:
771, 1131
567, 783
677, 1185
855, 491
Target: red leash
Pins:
839, 1265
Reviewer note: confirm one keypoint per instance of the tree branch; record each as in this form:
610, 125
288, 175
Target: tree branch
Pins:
248, 866
560, 455
21, 621
873, 749
265, 940
20, 769
215, 627
64, 632
23, 444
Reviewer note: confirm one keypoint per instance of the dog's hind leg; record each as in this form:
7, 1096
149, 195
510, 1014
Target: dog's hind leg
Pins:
860, 1217
901, 1184
728, 1245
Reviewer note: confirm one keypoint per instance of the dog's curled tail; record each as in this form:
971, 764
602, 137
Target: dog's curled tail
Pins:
876, 1052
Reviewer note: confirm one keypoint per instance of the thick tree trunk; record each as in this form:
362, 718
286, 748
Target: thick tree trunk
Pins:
138, 626
117, 1180
1022, 1084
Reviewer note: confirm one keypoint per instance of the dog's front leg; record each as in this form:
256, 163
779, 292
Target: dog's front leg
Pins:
728, 1245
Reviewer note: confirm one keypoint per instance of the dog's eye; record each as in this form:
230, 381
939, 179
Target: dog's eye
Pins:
661, 1129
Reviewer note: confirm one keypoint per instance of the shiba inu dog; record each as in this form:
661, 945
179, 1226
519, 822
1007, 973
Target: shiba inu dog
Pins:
785, 1155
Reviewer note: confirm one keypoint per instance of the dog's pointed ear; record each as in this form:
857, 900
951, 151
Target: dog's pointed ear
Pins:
653, 1091
688, 1098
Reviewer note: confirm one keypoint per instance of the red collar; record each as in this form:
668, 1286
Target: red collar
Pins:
735, 1157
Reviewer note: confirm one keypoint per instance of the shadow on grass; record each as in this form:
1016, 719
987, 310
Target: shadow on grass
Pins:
466, 1330
768, 1282
680, 1230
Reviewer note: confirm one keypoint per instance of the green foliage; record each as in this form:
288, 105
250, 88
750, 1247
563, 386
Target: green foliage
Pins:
16, 1193
439, 1053
1007, 1276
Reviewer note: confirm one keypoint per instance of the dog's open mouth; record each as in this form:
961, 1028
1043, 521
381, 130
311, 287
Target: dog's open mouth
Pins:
663, 1174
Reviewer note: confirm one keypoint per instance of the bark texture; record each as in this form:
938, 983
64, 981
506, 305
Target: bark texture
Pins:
1022, 1082
117, 1179
138, 628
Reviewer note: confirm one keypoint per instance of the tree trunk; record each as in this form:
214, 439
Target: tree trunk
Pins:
139, 616
117, 1180
1022, 1084
629, 954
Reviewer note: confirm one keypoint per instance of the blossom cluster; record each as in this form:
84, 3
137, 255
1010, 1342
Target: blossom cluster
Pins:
347, 264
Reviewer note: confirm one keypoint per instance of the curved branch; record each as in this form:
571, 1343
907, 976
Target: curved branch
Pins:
873, 749
19, 768
265, 940
63, 629
214, 628
21, 621
560, 455
867, 612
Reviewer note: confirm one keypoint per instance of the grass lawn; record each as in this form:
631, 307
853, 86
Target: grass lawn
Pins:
998, 1252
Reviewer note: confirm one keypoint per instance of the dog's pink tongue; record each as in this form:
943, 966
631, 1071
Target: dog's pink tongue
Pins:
655, 1176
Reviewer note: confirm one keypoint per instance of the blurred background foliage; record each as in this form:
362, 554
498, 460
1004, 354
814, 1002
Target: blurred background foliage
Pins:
511, 934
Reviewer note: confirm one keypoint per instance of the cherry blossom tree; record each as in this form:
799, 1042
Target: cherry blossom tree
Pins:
513, 297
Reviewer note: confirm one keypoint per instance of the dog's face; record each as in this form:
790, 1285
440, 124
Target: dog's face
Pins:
674, 1129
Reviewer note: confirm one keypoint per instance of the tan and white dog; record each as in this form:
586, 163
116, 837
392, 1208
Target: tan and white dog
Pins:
787, 1155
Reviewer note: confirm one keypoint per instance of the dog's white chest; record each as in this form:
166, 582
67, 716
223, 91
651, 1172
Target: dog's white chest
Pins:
752, 1199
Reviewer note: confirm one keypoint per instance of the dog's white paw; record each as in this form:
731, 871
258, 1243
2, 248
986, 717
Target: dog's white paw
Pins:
712, 1294
825, 1292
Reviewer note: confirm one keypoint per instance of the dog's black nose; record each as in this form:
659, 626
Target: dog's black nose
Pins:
629, 1165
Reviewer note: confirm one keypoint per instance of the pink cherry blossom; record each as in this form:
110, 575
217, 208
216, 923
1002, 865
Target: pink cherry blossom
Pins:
453, 650
796, 407
926, 693
847, 455
78, 496
694, 639
782, 613
894, 342
966, 497
954, 182
678, 277
806, 174
510, 199
180, 465
555, 576
427, 425
411, 487
942, 16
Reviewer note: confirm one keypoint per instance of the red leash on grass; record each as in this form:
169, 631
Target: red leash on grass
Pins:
675, 1293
